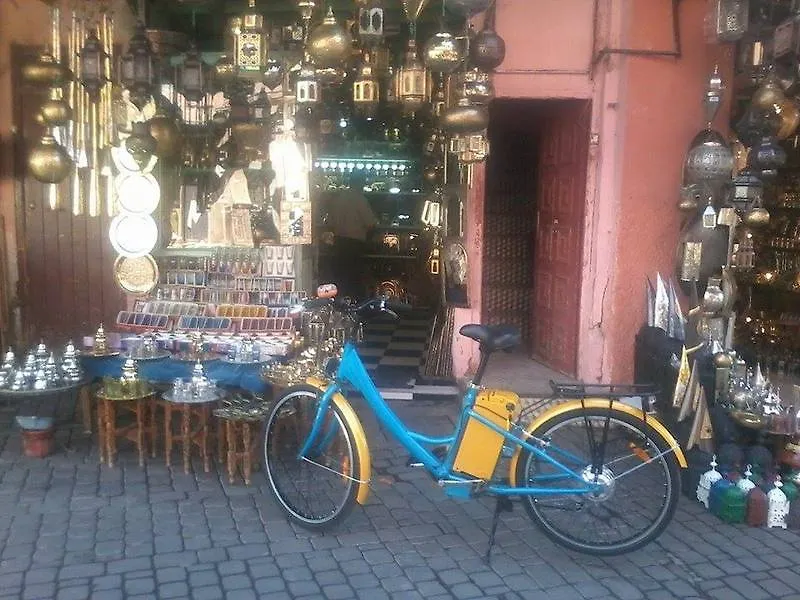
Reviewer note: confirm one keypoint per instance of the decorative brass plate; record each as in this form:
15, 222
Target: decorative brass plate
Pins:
136, 275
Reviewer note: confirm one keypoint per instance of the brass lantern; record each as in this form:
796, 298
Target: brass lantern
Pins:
93, 65
371, 19
137, 68
443, 53
413, 88
48, 161
250, 43
470, 148
306, 9
465, 118
191, 76
307, 86
366, 89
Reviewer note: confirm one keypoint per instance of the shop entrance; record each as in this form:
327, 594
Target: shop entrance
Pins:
533, 233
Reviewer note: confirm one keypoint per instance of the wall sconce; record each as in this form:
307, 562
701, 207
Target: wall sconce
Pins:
93, 60
137, 68
412, 80
366, 89
191, 76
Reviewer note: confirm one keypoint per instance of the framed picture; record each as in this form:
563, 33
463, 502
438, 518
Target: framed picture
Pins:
455, 273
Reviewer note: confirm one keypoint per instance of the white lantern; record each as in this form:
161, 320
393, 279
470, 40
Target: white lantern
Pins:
366, 89
778, 506
745, 483
706, 481
307, 86
413, 89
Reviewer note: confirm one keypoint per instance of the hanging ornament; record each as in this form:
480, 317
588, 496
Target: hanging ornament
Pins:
250, 42
329, 43
443, 53
138, 69
371, 20
709, 158
93, 63
767, 157
140, 144
476, 85
46, 70
55, 111
167, 134
768, 94
470, 148
487, 49
745, 483
48, 161
713, 97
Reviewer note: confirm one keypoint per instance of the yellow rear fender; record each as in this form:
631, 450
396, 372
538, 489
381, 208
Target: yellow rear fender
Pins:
359, 438
668, 439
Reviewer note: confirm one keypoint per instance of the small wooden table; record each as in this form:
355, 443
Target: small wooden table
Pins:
142, 406
238, 438
195, 415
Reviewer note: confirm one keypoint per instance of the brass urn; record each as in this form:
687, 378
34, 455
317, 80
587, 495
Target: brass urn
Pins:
48, 161
329, 43
465, 117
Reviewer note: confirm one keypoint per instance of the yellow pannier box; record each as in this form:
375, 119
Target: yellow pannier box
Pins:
480, 447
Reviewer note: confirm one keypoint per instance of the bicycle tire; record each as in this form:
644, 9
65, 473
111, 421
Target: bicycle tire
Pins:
667, 460
278, 459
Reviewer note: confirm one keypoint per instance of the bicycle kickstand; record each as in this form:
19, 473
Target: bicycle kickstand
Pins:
503, 505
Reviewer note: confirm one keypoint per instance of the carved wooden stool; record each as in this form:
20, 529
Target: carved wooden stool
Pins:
109, 408
238, 438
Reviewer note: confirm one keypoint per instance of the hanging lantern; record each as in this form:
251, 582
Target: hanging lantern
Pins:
164, 129
250, 43
137, 68
443, 53
487, 49
439, 98
366, 89
464, 118
224, 73
371, 19
470, 148
259, 111
746, 190
476, 85
48, 161
769, 94
306, 9
191, 76
93, 65
709, 158
141, 144
273, 74
413, 89
329, 43
307, 86
730, 18
331, 76
767, 157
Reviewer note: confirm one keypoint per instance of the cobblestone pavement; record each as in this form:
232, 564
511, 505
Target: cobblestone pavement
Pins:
71, 529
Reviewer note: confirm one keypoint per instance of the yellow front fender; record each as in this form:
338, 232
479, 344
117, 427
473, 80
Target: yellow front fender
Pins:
560, 409
354, 425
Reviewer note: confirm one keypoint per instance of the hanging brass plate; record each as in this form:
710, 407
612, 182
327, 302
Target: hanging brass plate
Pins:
136, 275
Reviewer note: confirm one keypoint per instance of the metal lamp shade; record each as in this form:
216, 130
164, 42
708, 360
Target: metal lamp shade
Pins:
329, 43
709, 158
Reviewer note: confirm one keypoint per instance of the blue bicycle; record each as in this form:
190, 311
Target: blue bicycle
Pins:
595, 473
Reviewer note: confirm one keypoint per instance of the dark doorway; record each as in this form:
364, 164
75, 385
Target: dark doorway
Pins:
533, 234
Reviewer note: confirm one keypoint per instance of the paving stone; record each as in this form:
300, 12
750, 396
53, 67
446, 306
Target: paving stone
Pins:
174, 589
303, 588
80, 592
144, 585
236, 582
208, 592
115, 594
328, 578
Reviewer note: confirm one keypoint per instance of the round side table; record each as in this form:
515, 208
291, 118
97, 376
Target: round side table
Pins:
195, 414
143, 408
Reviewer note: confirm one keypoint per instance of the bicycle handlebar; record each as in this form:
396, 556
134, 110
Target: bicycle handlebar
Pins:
377, 304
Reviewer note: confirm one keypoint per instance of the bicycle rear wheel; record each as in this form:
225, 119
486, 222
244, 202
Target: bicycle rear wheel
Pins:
640, 482
319, 489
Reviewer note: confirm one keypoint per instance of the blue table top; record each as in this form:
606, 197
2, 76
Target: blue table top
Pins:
166, 370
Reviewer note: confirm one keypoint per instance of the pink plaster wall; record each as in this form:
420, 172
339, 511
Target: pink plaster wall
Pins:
645, 112
663, 112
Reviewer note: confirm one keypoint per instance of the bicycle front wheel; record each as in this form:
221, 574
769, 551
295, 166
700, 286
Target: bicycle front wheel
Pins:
639, 481
320, 488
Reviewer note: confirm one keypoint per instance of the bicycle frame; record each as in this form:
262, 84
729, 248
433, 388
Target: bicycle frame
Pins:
351, 369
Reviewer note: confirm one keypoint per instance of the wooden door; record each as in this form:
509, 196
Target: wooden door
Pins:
561, 206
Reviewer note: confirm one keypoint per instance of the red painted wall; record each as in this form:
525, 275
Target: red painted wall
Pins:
663, 111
